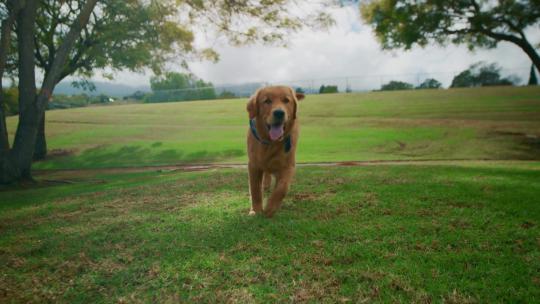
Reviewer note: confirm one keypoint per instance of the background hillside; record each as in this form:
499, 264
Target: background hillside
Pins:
484, 123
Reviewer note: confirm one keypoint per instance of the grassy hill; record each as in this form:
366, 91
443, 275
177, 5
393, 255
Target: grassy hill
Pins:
425, 232
483, 123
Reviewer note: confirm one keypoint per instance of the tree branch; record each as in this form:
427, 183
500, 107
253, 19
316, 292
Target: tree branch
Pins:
7, 24
41, 60
63, 52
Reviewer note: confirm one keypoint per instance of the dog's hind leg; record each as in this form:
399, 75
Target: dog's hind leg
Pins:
283, 180
255, 189
267, 181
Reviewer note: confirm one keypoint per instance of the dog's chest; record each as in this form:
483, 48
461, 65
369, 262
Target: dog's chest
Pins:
275, 157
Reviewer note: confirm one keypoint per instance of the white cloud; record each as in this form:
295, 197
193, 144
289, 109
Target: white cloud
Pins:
348, 49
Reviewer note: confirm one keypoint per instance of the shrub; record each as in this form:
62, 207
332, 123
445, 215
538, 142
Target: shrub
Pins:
430, 83
328, 89
396, 85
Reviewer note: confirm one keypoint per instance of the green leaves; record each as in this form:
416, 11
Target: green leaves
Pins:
482, 74
135, 34
402, 24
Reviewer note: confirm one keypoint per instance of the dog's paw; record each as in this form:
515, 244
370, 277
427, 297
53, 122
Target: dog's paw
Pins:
269, 213
252, 213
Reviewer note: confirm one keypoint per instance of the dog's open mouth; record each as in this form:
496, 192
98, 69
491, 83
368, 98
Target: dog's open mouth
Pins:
275, 131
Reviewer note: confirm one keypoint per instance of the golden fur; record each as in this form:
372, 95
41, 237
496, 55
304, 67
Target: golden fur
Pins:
269, 157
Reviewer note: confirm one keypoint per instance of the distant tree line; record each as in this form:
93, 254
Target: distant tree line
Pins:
480, 74
61, 101
173, 86
182, 87
328, 89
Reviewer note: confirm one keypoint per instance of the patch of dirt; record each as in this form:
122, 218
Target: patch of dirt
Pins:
300, 197
402, 145
347, 164
527, 225
57, 153
71, 176
530, 142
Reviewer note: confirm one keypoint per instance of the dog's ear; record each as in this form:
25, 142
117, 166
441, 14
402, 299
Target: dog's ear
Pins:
298, 97
252, 107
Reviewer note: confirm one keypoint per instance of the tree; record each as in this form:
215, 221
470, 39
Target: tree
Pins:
173, 86
329, 89
396, 85
532, 77
430, 83
16, 163
476, 23
69, 37
482, 74
137, 95
463, 80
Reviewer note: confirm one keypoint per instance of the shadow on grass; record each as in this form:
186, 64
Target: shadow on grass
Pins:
103, 157
526, 146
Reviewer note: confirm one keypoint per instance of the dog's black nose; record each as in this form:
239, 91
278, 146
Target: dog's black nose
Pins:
279, 114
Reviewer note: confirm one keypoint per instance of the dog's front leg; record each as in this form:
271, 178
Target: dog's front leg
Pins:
267, 180
283, 180
255, 189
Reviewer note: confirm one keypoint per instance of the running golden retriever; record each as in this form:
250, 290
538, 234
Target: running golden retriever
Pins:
271, 144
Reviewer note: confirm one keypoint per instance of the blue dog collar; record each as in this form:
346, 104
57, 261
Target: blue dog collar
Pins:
287, 141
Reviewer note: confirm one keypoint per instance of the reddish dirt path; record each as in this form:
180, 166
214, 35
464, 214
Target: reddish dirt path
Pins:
206, 167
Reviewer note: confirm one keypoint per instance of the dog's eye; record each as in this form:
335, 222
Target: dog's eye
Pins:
286, 100
268, 101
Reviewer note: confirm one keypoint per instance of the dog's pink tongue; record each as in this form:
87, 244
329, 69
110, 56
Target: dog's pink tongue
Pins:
276, 132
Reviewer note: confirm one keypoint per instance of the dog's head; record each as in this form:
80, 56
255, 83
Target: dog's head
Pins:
275, 106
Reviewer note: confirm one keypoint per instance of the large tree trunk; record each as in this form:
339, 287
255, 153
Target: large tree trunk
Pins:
18, 164
531, 52
520, 41
526, 46
41, 143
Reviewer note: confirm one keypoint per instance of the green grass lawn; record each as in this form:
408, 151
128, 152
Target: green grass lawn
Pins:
452, 231
458, 233
484, 123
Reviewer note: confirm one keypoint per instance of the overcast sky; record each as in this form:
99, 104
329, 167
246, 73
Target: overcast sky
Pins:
347, 49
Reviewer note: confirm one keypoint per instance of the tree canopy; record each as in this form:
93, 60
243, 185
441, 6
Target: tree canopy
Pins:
173, 86
135, 34
396, 85
430, 83
482, 74
476, 23
328, 89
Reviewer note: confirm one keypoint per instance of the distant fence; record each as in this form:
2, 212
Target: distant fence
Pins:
358, 83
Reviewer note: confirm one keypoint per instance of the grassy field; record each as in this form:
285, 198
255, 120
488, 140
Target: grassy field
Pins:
461, 233
486, 123
462, 230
